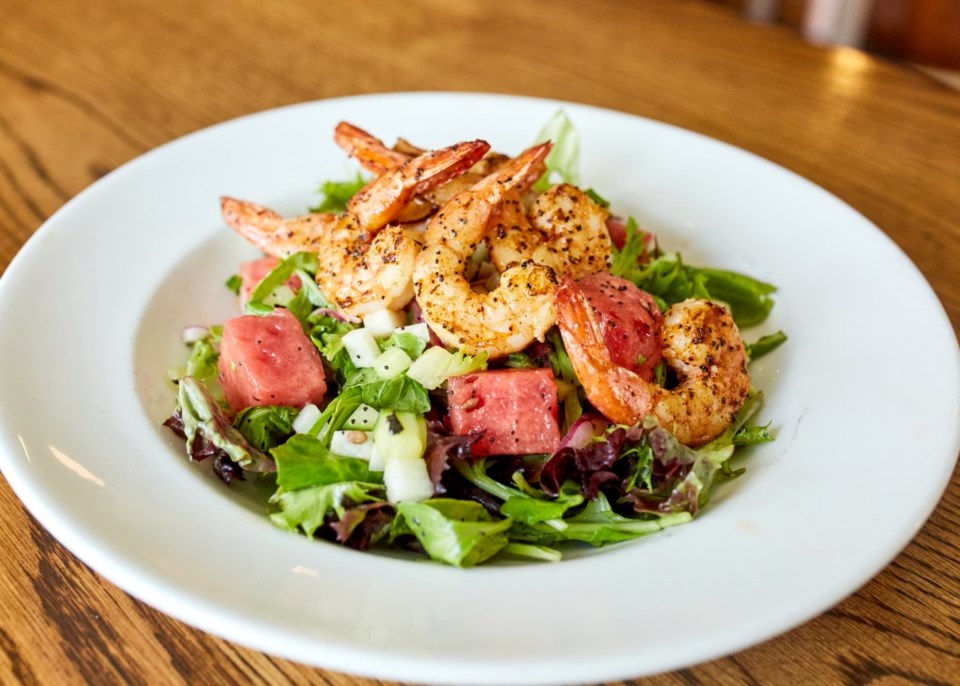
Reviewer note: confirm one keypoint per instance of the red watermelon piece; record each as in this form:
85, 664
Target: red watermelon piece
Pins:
514, 411
269, 361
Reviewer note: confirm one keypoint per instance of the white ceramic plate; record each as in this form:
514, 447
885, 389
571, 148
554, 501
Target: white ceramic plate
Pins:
864, 399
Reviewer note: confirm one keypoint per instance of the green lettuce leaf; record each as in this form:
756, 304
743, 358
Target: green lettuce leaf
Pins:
458, 532
305, 262
266, 426
304, 461
307, 509
563, 162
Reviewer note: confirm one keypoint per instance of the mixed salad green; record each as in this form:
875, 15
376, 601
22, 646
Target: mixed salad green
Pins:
327, 463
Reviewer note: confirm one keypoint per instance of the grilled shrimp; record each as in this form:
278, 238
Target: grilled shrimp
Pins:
564, 230
506, 319
374, 156
364, 263
701, 343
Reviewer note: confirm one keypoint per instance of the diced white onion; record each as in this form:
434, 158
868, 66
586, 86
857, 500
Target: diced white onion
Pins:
192, 334
384, 322
421, 331
306, 419
342, 443
407, 480
361, 346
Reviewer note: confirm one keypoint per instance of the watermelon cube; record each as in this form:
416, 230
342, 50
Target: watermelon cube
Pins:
512, 411
269, 361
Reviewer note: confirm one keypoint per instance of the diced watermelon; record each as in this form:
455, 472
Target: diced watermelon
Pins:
514, 411
630, 320
269, 361
251, 273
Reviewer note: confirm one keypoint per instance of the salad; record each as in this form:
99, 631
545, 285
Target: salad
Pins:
470, 357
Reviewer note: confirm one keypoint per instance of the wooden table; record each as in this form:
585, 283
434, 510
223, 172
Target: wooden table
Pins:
86, 85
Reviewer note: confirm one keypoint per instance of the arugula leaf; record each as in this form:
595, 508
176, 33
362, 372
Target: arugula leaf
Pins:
308, 508
266, 426
336, 194
625, 260
598, 524
563, 162
305, 461
766, 344
304, 261
459, 532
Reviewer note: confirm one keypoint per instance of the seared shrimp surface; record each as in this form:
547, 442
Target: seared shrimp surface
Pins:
566, 231
701, 343
364, 263
520, 309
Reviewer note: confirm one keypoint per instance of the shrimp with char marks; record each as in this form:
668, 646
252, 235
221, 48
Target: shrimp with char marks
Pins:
701, 344
509, 317
365, 262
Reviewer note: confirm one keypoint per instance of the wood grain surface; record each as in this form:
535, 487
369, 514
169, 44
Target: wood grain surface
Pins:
86, 85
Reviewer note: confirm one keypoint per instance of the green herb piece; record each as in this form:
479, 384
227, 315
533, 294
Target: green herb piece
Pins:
597, 198
234, 283
336, 194
766, 344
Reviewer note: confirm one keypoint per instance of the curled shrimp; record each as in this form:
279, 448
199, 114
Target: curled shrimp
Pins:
374, 156
701, 343
365, 262
521, 307
564, 230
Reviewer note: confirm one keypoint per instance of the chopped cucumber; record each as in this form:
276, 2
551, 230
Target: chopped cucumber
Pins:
436, 365
364, 418
430, 368
401, 439
361, 347
392, 362
400, 435
384, 322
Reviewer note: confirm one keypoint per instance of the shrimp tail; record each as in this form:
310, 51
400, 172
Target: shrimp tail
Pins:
618, 393
381, 200
371, 152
